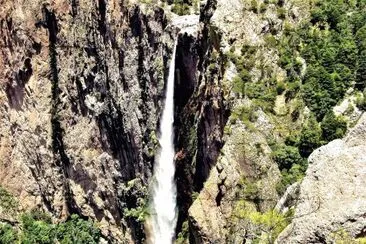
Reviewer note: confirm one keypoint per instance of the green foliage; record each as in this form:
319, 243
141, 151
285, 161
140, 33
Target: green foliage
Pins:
36, 227
77, 230
7, 201
280, 88
262, 7
281, 13
334, 48
294, 174
254, 6
270, 40
246, 114
180, 8
310, 137
184, 234
290, 162
7, 234
333, 127
266, 226
195, 195
343, 237
361, 101
287, 156
36, 230
249, 190
140, 213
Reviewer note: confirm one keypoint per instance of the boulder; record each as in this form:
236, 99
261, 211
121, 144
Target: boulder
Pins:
332, 195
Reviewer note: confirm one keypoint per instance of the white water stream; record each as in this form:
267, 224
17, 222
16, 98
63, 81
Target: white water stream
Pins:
164, 215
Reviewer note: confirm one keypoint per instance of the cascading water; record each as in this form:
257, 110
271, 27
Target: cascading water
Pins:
164, 189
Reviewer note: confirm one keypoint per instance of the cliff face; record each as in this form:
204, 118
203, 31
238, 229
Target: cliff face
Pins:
82, 86
332, 199
81, 92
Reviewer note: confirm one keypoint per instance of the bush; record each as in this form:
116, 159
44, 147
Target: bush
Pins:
281, 13
7, 201
361, 102
265, 226
77, 230
287, 156
333, 127
281, 87
7, 234
262, 7
254, 6
310, 137
295, 174
36, 231
37, 227
180, 8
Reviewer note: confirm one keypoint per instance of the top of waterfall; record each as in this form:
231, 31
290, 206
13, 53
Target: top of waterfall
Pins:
187, 24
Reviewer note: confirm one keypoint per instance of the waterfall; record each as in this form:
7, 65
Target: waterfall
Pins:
164, 215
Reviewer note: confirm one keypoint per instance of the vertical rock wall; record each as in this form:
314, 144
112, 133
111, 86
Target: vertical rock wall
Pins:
81, 90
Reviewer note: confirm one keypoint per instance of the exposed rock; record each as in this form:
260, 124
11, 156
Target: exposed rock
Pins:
211, 213
187, 24
289, 198
332, 194
348, 109
80, 94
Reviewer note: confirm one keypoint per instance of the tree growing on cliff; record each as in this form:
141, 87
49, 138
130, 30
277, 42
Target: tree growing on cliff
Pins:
333, 127
310, 137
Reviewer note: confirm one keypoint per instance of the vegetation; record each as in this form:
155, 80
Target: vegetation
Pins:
184, 234
37, 227
343, 237
333, 45
7, 201
333, 127
264, 227
323, 57
7, 234
180, 7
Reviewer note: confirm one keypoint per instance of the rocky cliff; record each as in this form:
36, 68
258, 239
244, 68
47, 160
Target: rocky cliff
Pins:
332, 198
81, 90
82, 85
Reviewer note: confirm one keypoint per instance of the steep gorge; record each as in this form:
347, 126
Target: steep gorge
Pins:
82, 87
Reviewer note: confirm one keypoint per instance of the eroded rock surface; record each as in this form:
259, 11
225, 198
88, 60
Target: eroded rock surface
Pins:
80, 96
332, 194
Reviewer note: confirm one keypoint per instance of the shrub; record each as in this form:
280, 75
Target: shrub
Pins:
265, 226
280, 88
361, 102
333, 127
254, 6
7, 201
77, 230
295, 174
262, 7
180, 8
36, 231
37, 228
281, 13
310, 137
7, 234
287, 156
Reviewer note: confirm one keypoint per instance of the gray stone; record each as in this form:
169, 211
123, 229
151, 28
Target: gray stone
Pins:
332, 194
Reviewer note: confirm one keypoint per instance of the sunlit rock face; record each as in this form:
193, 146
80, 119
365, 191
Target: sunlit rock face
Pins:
332, 196
81, 88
